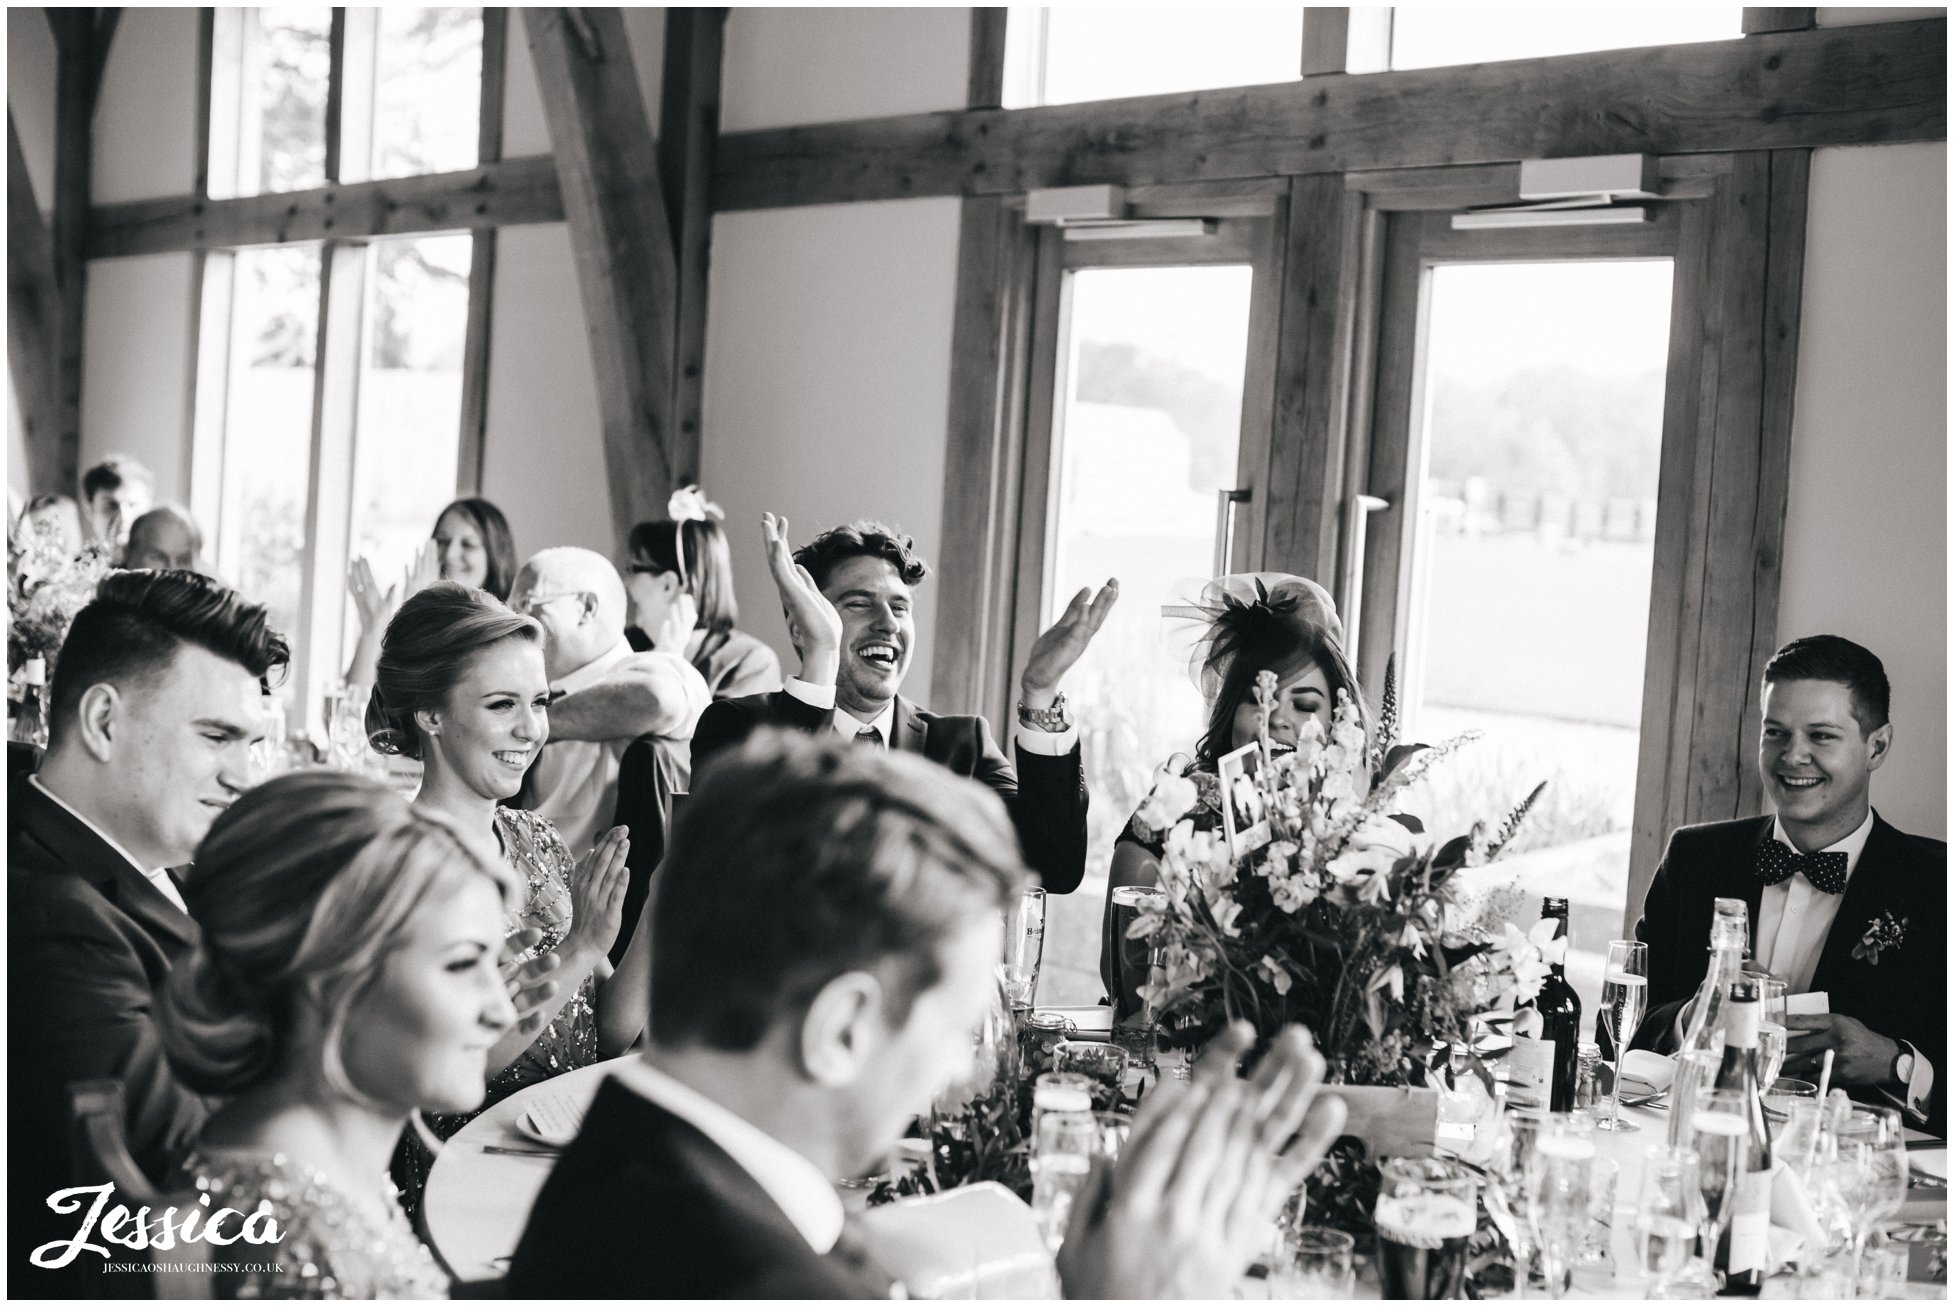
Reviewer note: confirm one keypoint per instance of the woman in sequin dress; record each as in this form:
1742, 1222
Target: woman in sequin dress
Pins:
461, 687
346, 979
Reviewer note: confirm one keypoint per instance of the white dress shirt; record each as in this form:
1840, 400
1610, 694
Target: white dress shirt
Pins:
1793, 919
1794, 916
1053, 743
157, 876
795, 1184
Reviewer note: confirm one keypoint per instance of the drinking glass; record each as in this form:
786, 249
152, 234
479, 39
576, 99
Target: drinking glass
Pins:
1624, 1000
1598, 1240
1781, 1094
1132, 959
1314, 1262
1102, 1063
1771, 1030
1060, 1091
1425, 1214
1024, 949
1720, 1134
1062, 1151
1869, 1172
1519, 1130
1560, 1189
1114, 1127
1668, 1209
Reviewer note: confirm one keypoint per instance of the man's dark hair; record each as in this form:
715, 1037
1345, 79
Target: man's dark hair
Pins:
1835, 658
799, 859
862, 539
110, 473
130, 632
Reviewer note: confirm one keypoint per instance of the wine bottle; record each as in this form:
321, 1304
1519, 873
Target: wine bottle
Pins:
1544, 1063
1742, 1257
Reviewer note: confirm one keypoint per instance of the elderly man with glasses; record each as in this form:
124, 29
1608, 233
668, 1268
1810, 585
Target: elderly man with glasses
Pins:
603, 695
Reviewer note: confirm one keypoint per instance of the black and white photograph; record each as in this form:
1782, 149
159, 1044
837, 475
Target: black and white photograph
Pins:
579, 580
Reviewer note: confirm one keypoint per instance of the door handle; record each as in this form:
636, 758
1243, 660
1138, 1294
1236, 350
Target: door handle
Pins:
1224, 525
1356, 521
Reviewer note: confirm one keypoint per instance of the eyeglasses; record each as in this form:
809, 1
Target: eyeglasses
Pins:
644, 569
529, 606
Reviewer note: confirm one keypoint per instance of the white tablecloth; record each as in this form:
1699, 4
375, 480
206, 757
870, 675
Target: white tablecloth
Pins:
477, 1202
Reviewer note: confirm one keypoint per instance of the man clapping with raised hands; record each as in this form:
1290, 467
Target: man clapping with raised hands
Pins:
848, 596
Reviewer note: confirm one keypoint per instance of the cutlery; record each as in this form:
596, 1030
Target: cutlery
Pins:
1649, 1101
519, 1152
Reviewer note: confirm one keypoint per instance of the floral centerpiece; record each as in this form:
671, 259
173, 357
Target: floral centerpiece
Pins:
46, 587
1314, 903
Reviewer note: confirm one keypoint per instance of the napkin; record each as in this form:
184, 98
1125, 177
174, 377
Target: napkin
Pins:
977, 1241
1816, 1004
1791, 1211
1644, 1072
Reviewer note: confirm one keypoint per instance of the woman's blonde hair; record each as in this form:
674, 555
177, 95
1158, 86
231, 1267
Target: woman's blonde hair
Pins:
302, 890
425, 653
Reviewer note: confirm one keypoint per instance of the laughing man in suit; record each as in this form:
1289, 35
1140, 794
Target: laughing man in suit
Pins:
848, 596
1840, 901
154, 711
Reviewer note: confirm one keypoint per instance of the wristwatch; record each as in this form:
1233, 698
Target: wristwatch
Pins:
1903, 1066
1052, 720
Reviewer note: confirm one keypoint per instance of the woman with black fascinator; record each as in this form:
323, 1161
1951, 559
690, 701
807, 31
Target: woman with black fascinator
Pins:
1250, 623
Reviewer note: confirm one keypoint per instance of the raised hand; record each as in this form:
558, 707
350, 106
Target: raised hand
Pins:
1202, 1177
815, 623
424, 572
681, 619
1062, 643
530, 985
597, 897
374, 602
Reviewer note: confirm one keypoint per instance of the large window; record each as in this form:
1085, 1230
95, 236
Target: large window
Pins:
1066, 55
330, 391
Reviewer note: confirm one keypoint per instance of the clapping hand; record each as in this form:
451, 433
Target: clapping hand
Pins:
597, 897
424, 572
1202, 1177
374, 602
815, 624
1062, 643
530, 985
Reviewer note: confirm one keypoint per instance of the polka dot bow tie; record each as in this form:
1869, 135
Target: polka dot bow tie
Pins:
1778, 862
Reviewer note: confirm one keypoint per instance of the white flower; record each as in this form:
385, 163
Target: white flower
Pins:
1348, 730
1172, 798
1225, 911
1374, 847
1276, 974
1553, 951
1524, 960
1291, 893
1339, 784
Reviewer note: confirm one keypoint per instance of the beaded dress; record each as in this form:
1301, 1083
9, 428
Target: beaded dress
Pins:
330, 1247
538, 854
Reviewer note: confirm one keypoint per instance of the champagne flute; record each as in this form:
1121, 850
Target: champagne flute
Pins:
1771, 1030
1624, 1000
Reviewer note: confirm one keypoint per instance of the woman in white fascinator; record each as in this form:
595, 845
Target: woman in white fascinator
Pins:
682, 560
1245, 624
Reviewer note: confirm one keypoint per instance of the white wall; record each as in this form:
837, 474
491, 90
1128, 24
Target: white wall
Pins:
135, 383
827, 379
146, 119
1866, 527
544, 457
828, 383
785, 67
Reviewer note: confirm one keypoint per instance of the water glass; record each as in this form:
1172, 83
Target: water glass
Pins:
1869, 1172
1314, 1262
1060, 1091
1425, 1215
1771, 1030
1102, 1063
1598, 1240
1518, 1131
1132, 959
1560, 1201
1668, 1214
1695, 1072
1114, 1127
1061, 1158
1882, 1269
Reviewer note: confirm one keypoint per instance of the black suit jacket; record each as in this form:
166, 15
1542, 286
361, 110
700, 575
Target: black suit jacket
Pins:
89, 944
1903, 996
642, 1205
1046, 795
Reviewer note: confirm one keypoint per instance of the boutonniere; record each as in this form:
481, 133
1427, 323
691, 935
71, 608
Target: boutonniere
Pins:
1883, 934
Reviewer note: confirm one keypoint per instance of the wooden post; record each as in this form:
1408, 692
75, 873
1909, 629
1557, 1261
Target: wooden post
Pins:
33, 322
688, 127
607, 169
77, 71
473, 449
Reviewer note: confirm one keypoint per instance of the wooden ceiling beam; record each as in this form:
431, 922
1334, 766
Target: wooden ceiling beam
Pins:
1877, 83
688, 129
607, 169
503, 194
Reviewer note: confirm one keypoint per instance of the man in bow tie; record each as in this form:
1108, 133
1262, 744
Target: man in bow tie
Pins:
1841, 903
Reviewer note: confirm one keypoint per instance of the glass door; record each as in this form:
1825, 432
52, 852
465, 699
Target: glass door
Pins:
1150, 441
1517, 450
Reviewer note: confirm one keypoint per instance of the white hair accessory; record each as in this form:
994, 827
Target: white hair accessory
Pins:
689, 504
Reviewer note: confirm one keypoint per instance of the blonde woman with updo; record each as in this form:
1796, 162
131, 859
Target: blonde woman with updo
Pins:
346, 979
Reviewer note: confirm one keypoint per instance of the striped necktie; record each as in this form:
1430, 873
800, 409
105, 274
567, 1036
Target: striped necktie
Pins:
870, 736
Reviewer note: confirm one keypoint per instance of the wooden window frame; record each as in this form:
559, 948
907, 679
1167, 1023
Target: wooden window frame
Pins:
1735, 227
